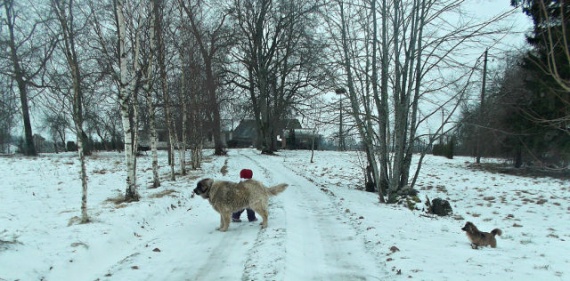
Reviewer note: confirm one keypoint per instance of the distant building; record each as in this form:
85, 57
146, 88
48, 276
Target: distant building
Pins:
161, 142
290, 133
301, 139
244, 135
162, 139
39, 143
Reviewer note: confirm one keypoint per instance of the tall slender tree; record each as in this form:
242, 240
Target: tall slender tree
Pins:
210, 43
129, 72
158, 26
27, 55
148, 87
8, 111
65, 13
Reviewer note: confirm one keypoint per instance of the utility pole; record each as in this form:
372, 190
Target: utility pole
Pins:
341, 146
442, 126
481, 107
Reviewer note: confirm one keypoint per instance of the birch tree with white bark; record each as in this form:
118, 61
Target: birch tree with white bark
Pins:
65, 12
129, 70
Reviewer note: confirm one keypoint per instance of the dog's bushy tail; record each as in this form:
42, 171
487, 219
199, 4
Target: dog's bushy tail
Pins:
496, 232
274, 190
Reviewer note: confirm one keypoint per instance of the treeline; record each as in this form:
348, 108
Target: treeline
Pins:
525, 114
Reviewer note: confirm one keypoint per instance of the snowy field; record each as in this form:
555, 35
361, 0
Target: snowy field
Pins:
321, 228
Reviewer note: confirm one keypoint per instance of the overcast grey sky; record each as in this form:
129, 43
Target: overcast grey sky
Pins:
489, 8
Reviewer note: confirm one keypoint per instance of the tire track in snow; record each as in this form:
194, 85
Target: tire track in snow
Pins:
220, 262
314, 238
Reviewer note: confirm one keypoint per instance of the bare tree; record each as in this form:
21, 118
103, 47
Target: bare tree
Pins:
8, 111
26, 54
197, 102
149, 72
57, 124
129, 71
158, 22
409, 61
210, 43
184, 112
65, 14
280, 60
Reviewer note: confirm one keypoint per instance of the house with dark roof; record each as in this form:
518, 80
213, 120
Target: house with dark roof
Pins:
290, 133
245, 134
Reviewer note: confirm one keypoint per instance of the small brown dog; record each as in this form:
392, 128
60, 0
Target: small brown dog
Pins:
480, 238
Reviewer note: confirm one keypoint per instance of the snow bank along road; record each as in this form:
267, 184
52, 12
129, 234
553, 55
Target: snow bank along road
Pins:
308, 237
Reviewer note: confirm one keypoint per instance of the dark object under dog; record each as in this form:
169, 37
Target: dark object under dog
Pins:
480, 238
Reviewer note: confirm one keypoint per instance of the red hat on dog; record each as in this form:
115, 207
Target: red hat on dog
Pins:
246, 174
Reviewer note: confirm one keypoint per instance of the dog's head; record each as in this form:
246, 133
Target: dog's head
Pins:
469, 227
203, 188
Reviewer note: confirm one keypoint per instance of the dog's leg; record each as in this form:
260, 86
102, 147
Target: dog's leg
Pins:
264, 214
226, 216
260, 207
221, 222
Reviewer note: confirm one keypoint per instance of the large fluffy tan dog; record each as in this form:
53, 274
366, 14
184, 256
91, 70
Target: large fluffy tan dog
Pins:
227, 197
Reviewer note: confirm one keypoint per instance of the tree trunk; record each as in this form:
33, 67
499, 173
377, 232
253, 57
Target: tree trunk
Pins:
381, 100
29, 148
383, 109
363, 125
518, 156
184, 113
126, 92
161, 52
215, 106
150, 104
67, 24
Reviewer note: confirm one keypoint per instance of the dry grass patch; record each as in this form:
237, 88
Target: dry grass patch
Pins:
119, 201
441, 188
193, 177
166, 192
5, 244
100, 172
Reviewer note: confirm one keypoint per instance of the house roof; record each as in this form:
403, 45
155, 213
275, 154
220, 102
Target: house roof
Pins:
245, 129
248, 127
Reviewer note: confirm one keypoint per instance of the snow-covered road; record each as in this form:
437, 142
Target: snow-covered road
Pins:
314, 231
323, 227
308, 237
